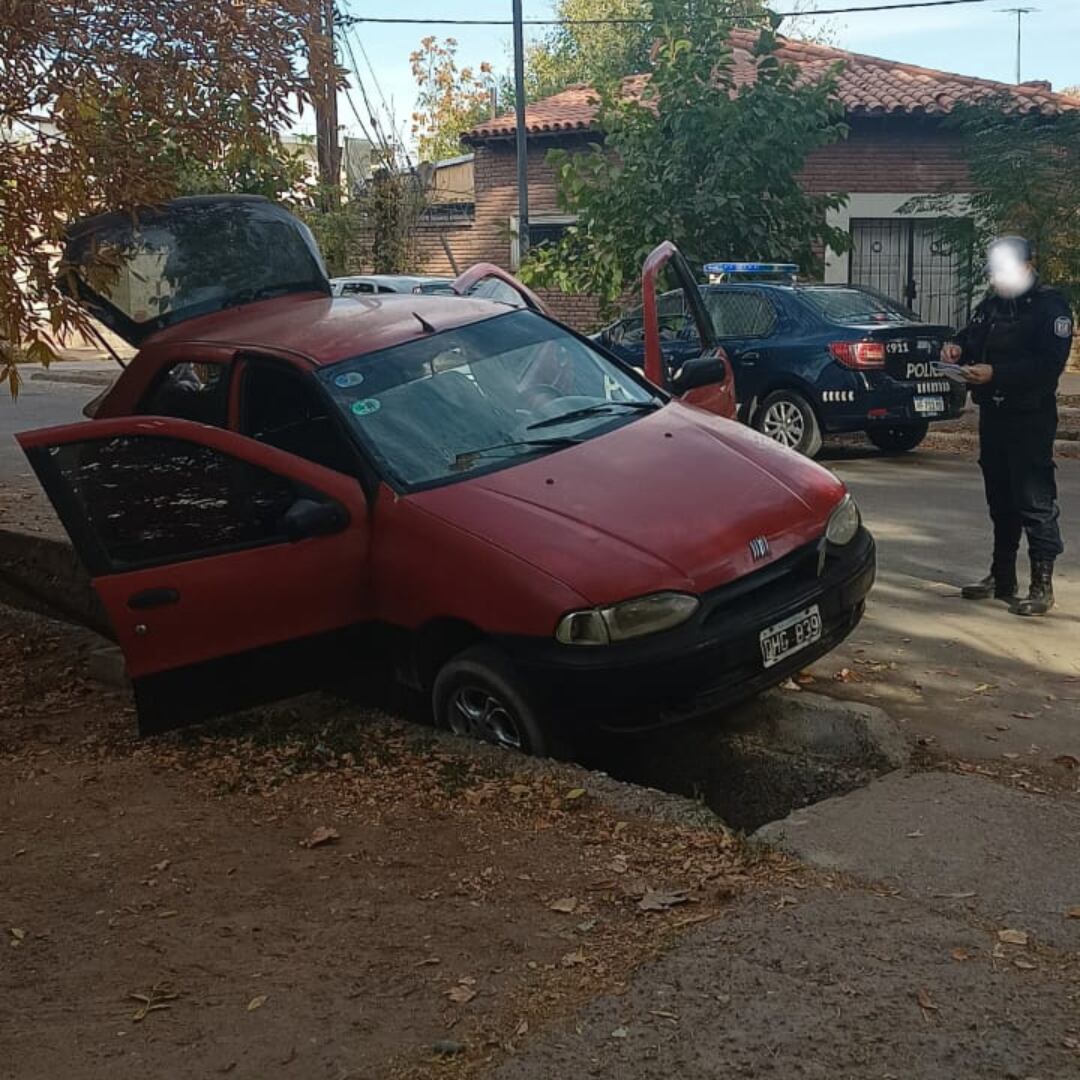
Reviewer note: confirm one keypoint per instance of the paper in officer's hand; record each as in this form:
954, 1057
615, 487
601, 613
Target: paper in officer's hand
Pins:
951, 371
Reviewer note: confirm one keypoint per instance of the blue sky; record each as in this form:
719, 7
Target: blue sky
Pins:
972, 40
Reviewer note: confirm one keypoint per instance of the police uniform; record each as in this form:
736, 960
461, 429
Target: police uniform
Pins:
1027, 341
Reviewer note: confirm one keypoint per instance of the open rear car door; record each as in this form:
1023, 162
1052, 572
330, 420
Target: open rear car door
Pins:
227, 568
704, 380
490, 282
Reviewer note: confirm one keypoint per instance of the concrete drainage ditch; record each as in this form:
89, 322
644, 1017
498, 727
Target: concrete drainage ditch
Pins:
774, 755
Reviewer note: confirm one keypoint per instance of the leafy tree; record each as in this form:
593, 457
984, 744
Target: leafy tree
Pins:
595, 53
450, 100
105, 106
1023, 170
690, 156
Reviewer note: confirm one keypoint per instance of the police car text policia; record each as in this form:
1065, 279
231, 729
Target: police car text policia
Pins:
1013, 352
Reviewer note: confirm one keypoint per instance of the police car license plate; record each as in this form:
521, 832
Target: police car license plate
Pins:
929, 406
794, 633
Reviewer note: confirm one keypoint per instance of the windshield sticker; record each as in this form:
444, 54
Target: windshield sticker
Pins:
350, 378
366, 406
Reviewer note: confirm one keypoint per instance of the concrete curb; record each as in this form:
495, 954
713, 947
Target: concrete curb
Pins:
87, 378
45, 575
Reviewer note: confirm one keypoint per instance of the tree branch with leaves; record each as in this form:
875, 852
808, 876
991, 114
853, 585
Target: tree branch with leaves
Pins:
691, 154
108, 106
451, 99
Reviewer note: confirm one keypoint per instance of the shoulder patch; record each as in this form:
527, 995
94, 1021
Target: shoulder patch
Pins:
1063, 326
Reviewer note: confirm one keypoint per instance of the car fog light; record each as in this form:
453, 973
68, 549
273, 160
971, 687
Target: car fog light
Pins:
844, 522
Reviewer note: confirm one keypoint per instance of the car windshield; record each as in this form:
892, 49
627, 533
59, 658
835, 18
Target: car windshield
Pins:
479, 398
852, 307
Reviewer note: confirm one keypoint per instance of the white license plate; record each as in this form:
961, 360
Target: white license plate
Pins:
787, 637
929, 406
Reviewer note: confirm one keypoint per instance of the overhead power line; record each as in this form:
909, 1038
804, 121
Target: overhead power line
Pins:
441, 21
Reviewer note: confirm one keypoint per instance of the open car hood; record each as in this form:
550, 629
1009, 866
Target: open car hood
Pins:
141, 271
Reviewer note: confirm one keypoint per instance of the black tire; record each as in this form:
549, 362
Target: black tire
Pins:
478, 694
899, 439
788, 418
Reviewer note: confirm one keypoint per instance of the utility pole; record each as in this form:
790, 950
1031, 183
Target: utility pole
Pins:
520, 139
1019, 12
323, 70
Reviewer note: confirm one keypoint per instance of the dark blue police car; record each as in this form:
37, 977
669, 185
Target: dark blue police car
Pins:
810, 360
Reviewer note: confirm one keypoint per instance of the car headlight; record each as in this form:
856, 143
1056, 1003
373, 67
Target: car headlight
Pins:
629, 619
844, 522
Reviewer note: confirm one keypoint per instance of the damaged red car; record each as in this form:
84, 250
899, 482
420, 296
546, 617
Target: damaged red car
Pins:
286, 490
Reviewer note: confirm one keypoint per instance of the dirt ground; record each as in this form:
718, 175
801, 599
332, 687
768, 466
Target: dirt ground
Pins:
162, 916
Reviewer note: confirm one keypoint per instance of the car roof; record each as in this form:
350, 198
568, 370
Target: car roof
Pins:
326, 329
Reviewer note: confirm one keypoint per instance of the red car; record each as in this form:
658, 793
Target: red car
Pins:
286, 490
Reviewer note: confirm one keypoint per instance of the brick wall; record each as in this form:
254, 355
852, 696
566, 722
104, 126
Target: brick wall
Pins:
879, 155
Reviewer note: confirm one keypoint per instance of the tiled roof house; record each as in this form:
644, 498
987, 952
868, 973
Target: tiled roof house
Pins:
896, 149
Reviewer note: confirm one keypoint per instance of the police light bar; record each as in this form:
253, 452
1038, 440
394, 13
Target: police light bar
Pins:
751, 268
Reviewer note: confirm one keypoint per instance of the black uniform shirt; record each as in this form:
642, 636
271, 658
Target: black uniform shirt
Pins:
1026, 341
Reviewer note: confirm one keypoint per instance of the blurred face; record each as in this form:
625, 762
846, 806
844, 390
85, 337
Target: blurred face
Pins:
1010, 276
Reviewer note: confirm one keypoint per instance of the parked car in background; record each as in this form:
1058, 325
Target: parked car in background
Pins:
285, 489
811, 360
365, 284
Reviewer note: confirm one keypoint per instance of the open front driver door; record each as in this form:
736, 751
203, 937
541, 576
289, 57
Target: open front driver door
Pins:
226, 567
705, 380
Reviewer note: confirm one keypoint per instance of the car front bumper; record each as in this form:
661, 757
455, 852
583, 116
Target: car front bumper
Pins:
713, 660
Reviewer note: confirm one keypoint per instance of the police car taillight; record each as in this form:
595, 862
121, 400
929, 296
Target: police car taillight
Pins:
861, 355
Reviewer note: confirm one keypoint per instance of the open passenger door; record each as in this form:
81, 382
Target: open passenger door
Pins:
487, 281
226, 567
704, 380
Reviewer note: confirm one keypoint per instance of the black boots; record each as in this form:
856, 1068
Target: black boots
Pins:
1000, 583
1040, 597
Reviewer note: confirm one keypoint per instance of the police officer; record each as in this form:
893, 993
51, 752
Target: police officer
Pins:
1013, 352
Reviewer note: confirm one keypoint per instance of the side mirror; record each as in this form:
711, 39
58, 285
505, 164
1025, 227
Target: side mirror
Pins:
613, 334
699, 371
306, 518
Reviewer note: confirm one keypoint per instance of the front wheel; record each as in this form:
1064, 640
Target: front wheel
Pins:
477, 694
788, 418
899, 439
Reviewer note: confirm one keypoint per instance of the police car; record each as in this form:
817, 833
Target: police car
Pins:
810, 360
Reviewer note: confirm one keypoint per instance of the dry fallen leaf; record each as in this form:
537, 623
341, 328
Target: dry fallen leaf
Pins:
565, 906
522, 1028
925, 1001
324, 834
1023, 963
657, 900
960, 954
573, 959
162, 866
1013, 937
1073, 912
1024, 715
257, 1002
1070, 1043
461, 995
575, 793
1070, 761
620, 1033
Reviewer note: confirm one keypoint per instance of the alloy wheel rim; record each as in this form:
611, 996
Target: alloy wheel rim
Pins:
784, 423
477, 713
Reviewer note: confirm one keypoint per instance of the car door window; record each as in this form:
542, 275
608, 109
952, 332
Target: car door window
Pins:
189, 391
285, 409
740, 314
150, 500
672, 316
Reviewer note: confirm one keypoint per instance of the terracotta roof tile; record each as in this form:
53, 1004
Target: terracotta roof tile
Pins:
867, 85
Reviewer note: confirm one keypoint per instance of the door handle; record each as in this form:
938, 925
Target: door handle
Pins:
749, 358
151, 598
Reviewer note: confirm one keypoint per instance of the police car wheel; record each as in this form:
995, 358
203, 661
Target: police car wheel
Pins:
788, 418
899, 439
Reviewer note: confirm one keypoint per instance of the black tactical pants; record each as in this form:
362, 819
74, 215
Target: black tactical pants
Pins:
1016, 452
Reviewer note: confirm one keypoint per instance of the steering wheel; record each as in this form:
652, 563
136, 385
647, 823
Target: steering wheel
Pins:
540, 395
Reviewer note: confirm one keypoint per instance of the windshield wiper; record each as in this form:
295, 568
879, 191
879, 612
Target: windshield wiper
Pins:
467, 458
595, 410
